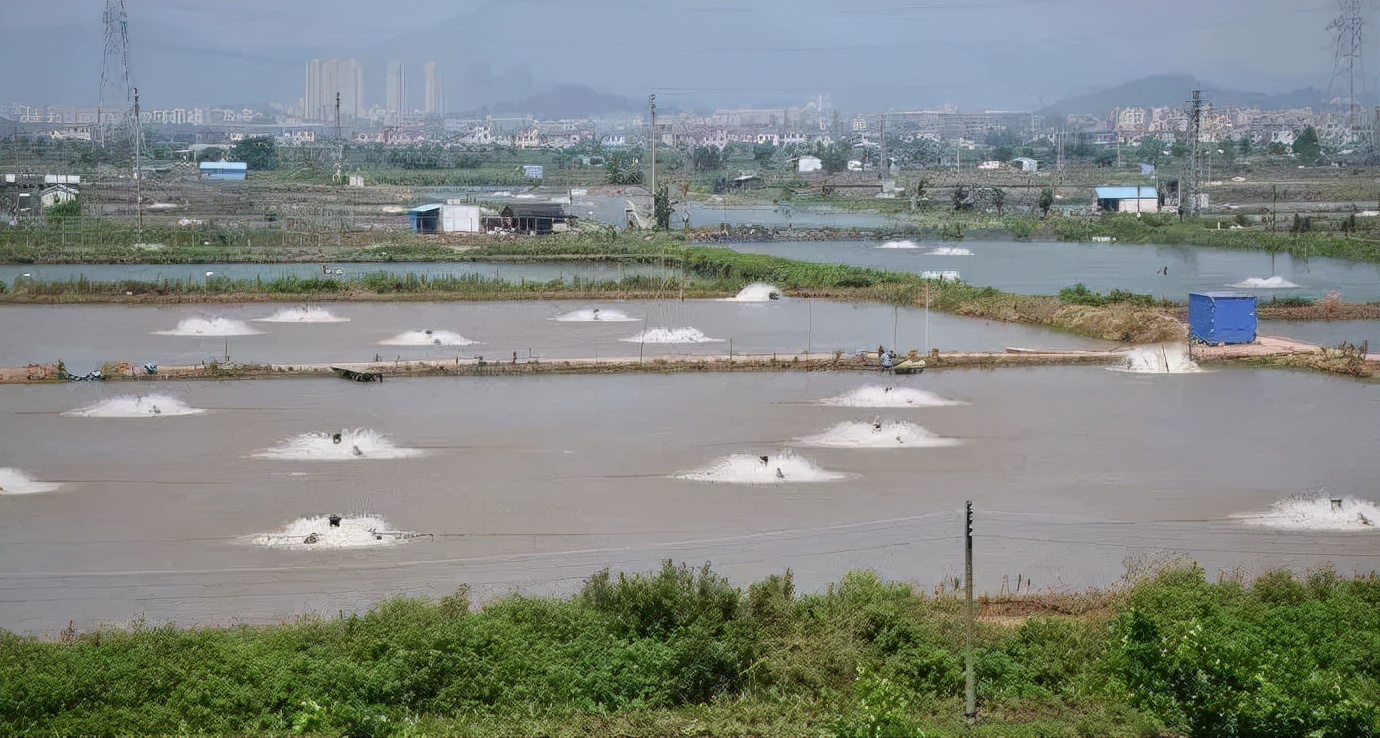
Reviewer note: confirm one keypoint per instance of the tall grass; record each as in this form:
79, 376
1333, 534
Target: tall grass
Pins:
681, 650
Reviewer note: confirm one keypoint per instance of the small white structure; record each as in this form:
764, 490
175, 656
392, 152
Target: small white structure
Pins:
809, 164
989, 165
460, 218
1025, 164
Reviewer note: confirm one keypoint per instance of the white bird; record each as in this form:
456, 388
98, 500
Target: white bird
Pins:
209, 273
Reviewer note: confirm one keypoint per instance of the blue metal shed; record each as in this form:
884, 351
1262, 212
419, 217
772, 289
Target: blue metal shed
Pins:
1221, 317
231, 170
425, 218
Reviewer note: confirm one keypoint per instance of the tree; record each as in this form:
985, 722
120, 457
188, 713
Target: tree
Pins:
1002, 153
63, 210
1046, 199
1245, 145
1307, 148
834, 157
259, 152
997, 197
963, 198
661, 208
623, 169
706, 158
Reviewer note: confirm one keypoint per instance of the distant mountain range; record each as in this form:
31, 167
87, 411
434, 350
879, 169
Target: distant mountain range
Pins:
1176, 90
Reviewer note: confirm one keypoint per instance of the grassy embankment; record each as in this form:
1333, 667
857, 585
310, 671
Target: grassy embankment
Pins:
708, 272
682, 652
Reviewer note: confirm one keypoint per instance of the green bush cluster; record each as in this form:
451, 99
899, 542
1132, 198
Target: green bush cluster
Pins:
665, 651
1278, 657
1079, 294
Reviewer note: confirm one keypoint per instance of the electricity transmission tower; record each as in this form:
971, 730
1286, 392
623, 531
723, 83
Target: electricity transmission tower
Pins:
117, 122
1348, 69
1191, 183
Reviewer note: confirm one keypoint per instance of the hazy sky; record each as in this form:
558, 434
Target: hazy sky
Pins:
866, 54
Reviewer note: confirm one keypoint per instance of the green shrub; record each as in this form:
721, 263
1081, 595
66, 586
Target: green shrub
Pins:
881, 711
1079, 294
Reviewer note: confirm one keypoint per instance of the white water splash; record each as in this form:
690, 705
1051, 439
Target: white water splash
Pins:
780, 468
907, 244
360, 444
15, 482
877, 434
671, 335
1316, 512
210, 327
888, 397
136, 406
303, 315
317, 533
595, 315
757, 292
1264, 283
949, 251
428, 338
1164, 358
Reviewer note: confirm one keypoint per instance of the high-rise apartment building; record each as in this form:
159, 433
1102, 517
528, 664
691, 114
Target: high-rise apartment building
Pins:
325, 78
396, 99
435, 103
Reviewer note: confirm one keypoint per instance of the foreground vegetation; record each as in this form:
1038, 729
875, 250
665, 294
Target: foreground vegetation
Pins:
681, 651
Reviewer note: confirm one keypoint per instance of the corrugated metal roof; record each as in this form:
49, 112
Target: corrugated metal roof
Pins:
231, 165
1126, 193
425, 208
534, 210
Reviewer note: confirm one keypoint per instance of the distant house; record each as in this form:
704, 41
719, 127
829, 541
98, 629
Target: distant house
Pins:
1128, 200
809, 164
425, 218
745, 181
224, 170
447, 218
535, 217
56, 195
1025, 164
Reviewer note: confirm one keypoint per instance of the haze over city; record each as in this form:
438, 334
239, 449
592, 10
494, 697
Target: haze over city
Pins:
867, 55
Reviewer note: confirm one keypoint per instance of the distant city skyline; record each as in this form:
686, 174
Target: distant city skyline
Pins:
868, 54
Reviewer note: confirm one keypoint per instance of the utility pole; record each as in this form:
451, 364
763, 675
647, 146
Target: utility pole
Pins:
138, 169
651, 103
337, 115
1274, 208
970, 690
886, 165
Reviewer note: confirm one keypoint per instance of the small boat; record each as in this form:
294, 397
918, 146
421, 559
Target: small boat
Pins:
909, 366
357, 376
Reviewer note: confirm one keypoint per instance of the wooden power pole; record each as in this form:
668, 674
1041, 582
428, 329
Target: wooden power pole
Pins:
970, 690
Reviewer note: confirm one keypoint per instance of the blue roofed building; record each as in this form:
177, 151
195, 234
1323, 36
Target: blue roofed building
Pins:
224, 170
425, 218
1128, 200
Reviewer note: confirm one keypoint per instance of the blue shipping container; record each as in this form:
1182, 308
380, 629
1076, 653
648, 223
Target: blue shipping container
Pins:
1221, 317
